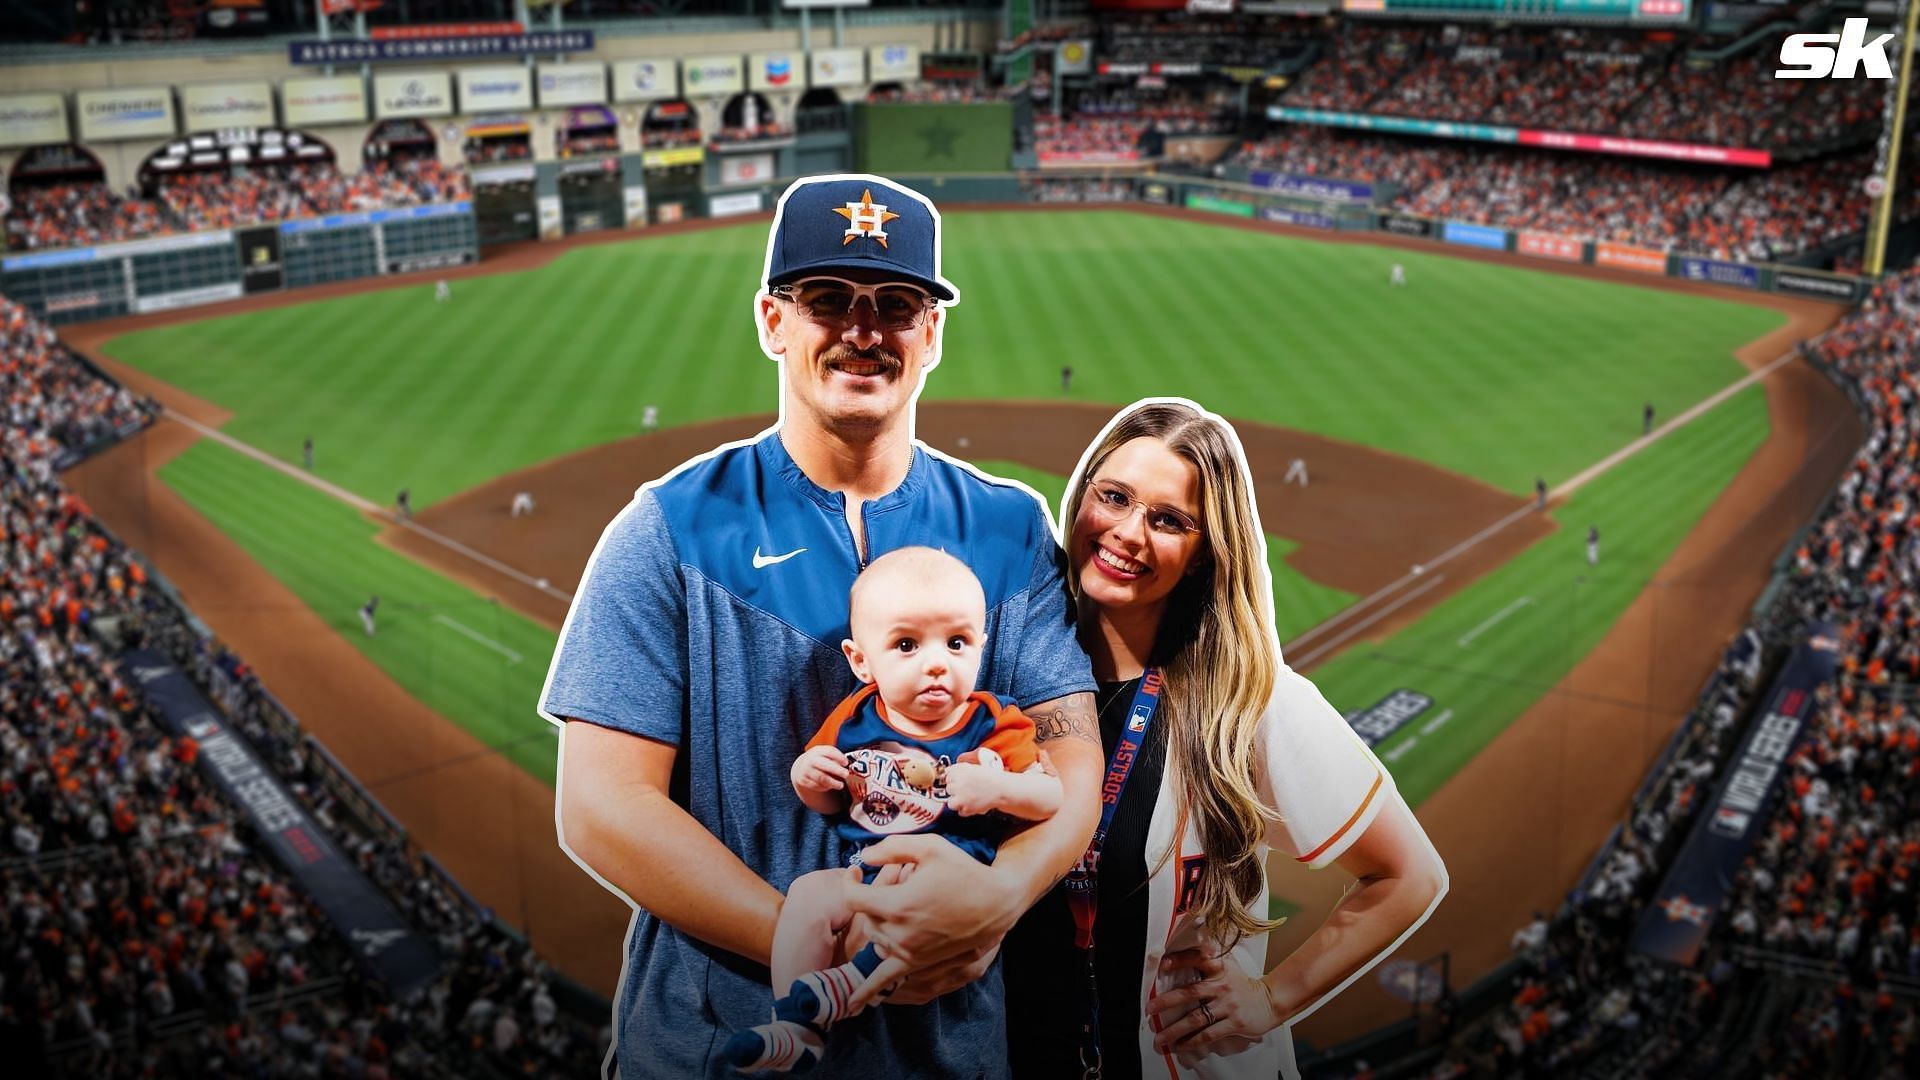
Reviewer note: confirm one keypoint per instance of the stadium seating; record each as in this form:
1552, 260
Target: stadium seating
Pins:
1749, 215
69, 215
148, 935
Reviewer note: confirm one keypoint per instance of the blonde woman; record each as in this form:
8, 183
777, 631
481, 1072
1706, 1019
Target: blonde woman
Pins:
1150, 959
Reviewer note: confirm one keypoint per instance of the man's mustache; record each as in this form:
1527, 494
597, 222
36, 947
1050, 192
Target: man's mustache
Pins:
878, 354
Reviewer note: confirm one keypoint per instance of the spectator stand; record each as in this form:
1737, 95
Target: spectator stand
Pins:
223, 966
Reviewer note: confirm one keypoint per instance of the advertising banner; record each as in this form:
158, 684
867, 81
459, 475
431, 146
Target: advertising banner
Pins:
315, 102
448, 48
1470, 235
227, 105
1720, 273
1675, 923
428, 93
107, 115
893, 63
671, 157
714, 76
1297, 217
776, 71
1312, 187
1672, 151
379, 937
837, 67
495, 89
1217, 205
1400, 225
571, 84
636, 204
1089, 157
1156, 191
1627, 257
646, 80
1073, 57
1558, 140
1817, 286
33, 119
745, 202
745, 168
260, 267
1549, 246
552, 225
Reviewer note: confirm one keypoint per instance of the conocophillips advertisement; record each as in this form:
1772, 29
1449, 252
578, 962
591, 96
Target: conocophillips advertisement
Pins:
837, 67
892, 63
33, 119
339, 100
227, 105
709, 76
572, 84
646, 80
108, 115
776, 71
426, 93
495, 89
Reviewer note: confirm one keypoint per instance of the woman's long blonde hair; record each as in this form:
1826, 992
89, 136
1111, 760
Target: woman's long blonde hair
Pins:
1216, 645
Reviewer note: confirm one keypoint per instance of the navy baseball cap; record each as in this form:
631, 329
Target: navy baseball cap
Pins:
832, 224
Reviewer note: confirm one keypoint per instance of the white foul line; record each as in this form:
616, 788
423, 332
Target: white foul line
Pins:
367, 507
512, 657
1494, 621
1370, 620
1582, 479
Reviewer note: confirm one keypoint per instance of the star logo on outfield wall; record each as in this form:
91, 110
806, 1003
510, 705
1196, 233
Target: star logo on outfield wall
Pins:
940, 139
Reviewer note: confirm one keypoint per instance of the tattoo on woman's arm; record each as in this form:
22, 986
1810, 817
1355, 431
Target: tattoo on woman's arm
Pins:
1070, 717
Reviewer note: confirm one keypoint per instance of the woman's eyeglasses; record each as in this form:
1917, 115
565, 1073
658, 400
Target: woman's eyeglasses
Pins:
1114, 504
831, 301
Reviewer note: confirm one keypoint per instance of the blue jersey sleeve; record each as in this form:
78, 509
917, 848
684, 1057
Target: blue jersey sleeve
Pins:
622, 658
1051, 662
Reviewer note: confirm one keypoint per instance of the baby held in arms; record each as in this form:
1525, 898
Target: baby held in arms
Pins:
915, 749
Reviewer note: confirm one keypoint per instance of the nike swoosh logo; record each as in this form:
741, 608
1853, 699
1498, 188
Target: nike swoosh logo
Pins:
761, 562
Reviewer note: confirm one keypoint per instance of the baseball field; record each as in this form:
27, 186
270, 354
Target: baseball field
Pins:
1411, 568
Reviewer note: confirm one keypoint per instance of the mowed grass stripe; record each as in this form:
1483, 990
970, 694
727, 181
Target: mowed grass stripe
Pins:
323, 552
1644, 507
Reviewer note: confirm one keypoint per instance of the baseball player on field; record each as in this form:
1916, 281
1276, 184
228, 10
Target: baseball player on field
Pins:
914, 750
705, 644
1398, 276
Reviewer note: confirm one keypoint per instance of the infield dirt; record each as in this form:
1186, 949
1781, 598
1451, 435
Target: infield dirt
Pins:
1516, 826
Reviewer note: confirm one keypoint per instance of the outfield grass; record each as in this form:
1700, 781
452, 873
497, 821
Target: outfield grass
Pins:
1497, 372
1556, 607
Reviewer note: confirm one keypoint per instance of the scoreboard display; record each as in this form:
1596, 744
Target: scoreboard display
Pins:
1633, 11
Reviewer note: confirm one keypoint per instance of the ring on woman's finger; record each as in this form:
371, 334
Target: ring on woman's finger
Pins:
1206, 1013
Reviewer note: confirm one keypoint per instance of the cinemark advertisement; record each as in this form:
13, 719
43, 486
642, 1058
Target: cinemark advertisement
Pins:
1675, 924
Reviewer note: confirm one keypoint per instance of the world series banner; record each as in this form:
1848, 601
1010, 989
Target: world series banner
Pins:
1675, 923
381, 939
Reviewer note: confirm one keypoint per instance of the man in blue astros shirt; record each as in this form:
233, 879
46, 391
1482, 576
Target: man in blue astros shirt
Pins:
703, 648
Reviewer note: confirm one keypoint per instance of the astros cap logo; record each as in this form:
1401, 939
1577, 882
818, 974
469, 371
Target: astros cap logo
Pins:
865, 218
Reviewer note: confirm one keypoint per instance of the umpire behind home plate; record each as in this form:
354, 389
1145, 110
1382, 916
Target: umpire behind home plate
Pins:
703, 649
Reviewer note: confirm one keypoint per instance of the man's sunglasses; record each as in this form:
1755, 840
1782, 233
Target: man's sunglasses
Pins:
831, 301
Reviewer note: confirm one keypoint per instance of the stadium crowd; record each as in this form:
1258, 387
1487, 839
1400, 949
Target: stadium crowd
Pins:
143, 929
1583, 80
70, 215
1749, 215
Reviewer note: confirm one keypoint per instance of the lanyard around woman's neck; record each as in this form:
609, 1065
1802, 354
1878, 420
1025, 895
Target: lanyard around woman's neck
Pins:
1082, 900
